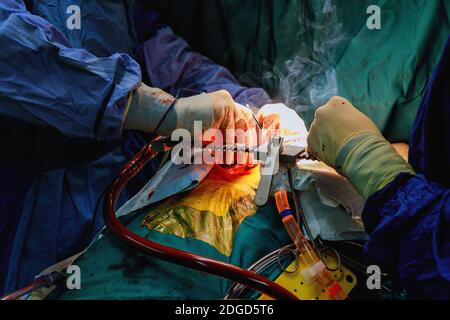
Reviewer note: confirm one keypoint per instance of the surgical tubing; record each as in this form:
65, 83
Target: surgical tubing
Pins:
315, 269
180, 257
35, 285
45, 281
292, 228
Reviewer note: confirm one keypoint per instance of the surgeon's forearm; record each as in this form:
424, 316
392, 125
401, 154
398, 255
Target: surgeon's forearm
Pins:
370, 163
409, 222
153, 110
170, 63
146, 108
62, 87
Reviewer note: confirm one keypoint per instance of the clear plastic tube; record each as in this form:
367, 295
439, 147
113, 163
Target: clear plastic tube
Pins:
313, 267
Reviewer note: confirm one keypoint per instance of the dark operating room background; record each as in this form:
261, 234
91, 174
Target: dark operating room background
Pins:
303, 51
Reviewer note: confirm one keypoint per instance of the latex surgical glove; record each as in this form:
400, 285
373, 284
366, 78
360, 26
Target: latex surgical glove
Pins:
279, 119
247, 135
146, 108
346, 139
215, 110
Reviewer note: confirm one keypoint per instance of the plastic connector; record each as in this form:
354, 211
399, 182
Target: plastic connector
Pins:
311, 273
282, 201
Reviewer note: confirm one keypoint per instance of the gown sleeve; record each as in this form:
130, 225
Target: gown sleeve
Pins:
47, 82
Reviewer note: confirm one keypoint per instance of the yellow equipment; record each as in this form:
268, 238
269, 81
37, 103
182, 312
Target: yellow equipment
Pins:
297, 284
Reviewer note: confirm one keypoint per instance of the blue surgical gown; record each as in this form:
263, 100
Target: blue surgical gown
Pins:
409, 220
63, 92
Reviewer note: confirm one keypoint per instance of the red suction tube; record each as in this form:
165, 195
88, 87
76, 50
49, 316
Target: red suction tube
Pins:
180, 257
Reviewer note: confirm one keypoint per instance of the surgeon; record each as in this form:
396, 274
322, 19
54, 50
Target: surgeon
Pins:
74, 109
407, 212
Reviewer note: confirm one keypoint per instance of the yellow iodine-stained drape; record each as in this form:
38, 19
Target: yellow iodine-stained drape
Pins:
212, 212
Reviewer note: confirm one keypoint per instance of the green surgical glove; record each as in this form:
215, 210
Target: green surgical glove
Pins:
346, 139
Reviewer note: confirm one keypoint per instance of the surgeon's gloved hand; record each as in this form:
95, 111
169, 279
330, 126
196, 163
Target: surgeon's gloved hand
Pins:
346, 139
215, 110
149, 111
279, 119
146, 108
269, 119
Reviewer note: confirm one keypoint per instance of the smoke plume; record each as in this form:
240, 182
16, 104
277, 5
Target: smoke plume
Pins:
308, 79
